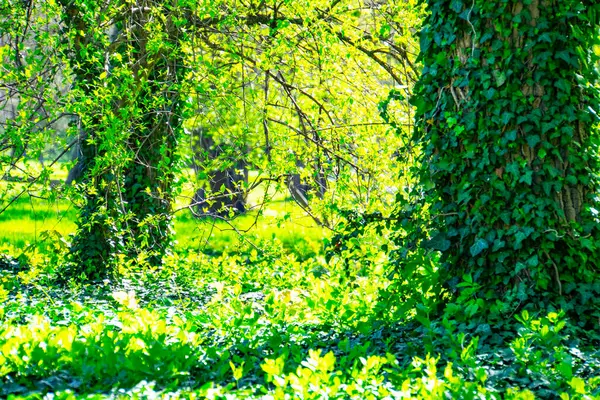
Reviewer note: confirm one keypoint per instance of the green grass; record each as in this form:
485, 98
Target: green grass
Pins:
25, 221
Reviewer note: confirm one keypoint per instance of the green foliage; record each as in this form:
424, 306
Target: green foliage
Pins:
507, 122
292, 90
288, 90
451, 293
253, 325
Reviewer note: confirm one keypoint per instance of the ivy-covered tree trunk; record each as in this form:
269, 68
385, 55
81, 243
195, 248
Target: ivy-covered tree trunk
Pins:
95, 238
128, 67
149, 177
506, 113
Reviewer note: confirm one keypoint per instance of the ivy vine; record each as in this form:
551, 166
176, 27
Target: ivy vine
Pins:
507, 121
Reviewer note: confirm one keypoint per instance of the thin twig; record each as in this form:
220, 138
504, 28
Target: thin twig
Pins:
15, 198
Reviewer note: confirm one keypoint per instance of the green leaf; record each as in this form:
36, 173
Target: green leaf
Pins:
519, 237
438, 242
489, 93
511, 135
513, 168
456, 6
527, 177
578, 385
500, 77
479, 245
533, 140
563, 85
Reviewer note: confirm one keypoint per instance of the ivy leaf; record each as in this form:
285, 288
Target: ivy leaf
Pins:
479, 245
498, 244
546, 126
500, 77
519, 237
564, 55
511, 135
489, 93
563, 85
547, 186
527, 177
488, 35
438, 242
456, 5
506, 117
532, 140
544, 37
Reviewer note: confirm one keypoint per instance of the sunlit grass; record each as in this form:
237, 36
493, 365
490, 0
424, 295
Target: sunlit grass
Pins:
270, 209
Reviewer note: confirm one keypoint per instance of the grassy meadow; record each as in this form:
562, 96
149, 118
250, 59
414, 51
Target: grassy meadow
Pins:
30, 218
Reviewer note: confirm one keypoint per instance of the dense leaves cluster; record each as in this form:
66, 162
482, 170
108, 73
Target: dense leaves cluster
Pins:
507, 120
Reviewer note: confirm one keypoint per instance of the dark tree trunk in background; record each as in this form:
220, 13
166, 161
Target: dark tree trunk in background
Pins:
76, 172
298, 190
504, 112
227, 178
301, 190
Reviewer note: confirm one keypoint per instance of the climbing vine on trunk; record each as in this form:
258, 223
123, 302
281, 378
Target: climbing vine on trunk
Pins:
128, 64
506, 115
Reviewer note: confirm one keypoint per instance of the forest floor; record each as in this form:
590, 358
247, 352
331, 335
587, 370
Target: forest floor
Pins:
267, 314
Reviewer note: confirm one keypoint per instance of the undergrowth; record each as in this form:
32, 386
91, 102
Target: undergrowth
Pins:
267, 322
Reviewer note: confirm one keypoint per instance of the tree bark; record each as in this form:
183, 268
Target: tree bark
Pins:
506, 125
226, 185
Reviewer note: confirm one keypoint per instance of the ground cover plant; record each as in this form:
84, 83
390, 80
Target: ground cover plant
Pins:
325, 199
255, 325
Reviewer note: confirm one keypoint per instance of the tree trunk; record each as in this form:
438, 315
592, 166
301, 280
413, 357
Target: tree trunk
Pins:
149, 177
94, 241
226, 192
504, 112
300, 190
127, 207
